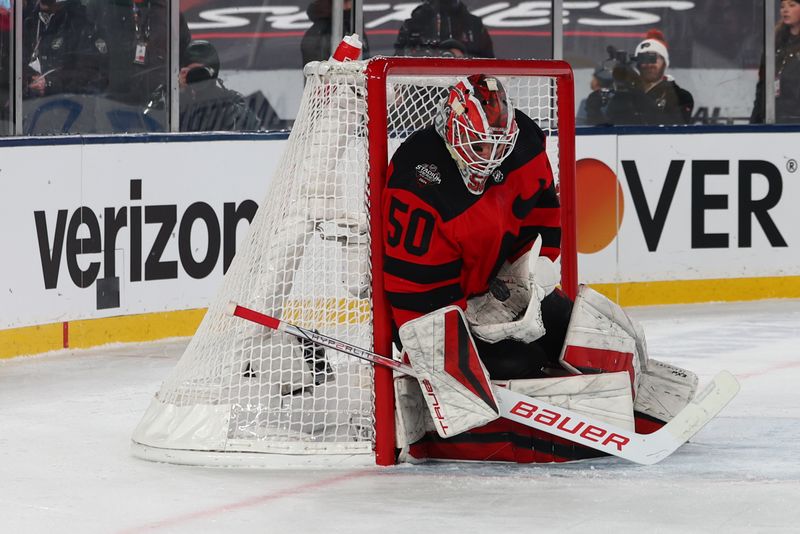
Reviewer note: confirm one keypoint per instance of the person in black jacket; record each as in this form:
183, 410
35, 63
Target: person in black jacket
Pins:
63, 51
436, 21
138, 46
618, 96
641, 93
787, 69
205, 103
674, 104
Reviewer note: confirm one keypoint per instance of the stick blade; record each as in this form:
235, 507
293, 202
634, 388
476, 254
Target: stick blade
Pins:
688, 422
704, 407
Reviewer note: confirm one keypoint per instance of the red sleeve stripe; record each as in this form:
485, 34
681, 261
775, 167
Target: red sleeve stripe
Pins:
550, 252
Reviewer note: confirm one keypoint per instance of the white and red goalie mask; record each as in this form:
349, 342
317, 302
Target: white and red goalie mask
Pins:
477, 123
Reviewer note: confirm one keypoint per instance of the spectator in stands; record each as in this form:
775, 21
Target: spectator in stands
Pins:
137, 42
641, 92
63, 51
438, 21
205, 103
619, 98
601, 85
674, 104
787, 69
446, 48
316, 42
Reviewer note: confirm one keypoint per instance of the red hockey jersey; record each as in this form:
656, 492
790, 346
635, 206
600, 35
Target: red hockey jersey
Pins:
444, 244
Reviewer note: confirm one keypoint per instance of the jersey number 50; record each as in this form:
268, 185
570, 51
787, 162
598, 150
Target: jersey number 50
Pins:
419, 230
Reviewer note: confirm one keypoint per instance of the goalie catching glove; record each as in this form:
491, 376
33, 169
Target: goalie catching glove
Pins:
511, 309
454, 381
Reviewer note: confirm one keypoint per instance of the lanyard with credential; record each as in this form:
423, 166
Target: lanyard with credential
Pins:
141, 26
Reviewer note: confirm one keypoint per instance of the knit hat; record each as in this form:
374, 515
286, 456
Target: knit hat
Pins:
654, 42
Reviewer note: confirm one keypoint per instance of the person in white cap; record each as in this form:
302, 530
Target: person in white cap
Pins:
652, 60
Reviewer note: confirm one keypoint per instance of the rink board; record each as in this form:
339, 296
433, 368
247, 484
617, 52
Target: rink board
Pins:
116, 227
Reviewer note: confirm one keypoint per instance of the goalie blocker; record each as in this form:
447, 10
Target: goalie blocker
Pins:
609, 378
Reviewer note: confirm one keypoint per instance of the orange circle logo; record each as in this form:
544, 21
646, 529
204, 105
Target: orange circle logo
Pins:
600, 205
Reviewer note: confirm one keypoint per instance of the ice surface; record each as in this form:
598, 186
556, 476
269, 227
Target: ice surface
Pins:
66, 419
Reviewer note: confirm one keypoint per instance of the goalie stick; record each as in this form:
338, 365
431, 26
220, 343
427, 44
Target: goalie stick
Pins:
644, 449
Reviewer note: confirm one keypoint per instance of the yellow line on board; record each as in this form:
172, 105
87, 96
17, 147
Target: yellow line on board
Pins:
321, 312
332, 311
31, 340
94, 332
697, 291
134, 328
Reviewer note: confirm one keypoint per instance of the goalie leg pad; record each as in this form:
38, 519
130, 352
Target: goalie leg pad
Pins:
412, 419
602, 338
454, 381
664, 390
606, 397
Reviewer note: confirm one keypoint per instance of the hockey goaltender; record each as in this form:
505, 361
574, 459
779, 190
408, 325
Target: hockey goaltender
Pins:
472, 224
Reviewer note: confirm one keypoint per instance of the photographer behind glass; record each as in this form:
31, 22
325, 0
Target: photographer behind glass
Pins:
435, 22
640, 92
206, 105
418, 47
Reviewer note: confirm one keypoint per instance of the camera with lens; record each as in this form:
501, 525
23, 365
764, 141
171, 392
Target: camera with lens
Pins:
419, 46
620, 98
623, 68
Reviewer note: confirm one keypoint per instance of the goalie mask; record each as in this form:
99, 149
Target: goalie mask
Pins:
476, 121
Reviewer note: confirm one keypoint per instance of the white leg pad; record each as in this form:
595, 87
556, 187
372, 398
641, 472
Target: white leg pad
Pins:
412, 419
454, 381
602, 336
606, 396
664, 390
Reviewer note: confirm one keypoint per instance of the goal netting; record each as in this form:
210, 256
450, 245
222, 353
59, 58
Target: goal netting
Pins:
244, 394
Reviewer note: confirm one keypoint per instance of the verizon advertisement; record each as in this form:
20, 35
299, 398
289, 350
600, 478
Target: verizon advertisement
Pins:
131, 228
123, 229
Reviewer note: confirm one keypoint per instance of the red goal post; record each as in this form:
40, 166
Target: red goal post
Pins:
378, 71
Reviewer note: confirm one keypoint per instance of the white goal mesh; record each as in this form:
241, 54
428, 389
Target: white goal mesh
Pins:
241, 390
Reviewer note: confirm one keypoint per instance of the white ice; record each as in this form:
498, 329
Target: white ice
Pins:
66, 419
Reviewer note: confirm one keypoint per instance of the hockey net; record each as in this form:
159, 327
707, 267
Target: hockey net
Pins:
242, 394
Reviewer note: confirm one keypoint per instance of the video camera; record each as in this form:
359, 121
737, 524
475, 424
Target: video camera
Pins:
624, 58
418, 46
620, 70
620, 98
